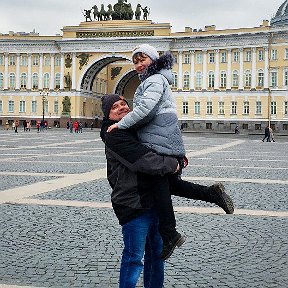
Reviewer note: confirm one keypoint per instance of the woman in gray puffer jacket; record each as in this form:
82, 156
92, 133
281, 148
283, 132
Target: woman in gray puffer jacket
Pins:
155, 118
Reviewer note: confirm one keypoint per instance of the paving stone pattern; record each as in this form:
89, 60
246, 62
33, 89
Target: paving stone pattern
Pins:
64, 246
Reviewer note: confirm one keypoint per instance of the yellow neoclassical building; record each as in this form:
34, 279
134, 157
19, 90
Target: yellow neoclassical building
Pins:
222, 78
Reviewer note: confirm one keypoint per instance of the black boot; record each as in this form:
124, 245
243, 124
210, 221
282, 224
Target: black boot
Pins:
170, 243
220, 198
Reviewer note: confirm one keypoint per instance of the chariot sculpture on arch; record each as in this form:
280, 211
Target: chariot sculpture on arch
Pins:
119, 11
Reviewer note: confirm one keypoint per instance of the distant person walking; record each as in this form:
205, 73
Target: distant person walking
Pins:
271, 135
267, 134
16, 126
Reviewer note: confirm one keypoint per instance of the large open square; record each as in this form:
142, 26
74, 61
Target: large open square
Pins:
58, 228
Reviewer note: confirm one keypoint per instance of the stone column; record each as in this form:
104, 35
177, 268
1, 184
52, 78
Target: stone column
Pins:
40, 78
6, 73
241, 86
29, 76
229, 73
62, 72
253, 80
73, 71
180, 72
216, 84
204, 76
266, 69
192, 71
17, 78
52, 73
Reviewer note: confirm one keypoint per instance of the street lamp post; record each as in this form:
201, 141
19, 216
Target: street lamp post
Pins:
44, 94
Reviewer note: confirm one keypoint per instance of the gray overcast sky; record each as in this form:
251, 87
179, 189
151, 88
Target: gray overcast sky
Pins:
48, 16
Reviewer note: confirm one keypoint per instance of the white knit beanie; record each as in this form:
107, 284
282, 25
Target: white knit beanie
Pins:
148, 50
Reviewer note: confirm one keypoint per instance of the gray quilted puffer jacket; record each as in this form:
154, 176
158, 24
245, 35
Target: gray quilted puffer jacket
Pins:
154, 112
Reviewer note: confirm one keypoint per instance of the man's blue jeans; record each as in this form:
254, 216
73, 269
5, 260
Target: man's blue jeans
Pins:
141, 235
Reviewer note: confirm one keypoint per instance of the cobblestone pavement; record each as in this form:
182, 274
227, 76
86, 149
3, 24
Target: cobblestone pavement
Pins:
58, 229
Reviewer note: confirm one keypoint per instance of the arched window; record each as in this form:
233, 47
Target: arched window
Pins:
1, 81
174, 80
235, 79
35, 81
198, 80
223, 79
57, 80
248, 78
260, 78
186, 81
23, 81
211, 79
12, 81
46, 81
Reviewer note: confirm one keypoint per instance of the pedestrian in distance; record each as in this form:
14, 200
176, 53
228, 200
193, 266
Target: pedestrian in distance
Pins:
271, 135
266, 134
131, 170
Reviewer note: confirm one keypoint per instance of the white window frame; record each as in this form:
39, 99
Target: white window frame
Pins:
199, 58
11, 106
223, 57
185, 108
12, 79
221, 106
248, 78
23, 81
261, 55
33, 106
209, 108
246, 108
12, 61
186, 58
1, 106
223, 79
248, 56
56, 106
235, 78
274, 53
233, 107
1, 80
211, 57
22, 106
273, 79
211, 79
35, 60
273, 108
197, 107
260, 77
258, 107
174, 80
236, 56
285, 108
198, 80
23, 60
186, 81
1, 60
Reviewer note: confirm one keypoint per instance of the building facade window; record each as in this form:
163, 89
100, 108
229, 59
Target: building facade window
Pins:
211, 57
57, 60
197, 108
56, 106
274, 54
236, 56
186, 58
22, 106
285, 78
12, 60
274, 79
186, 81
1, 60
248, 56
211, 79
260, 55
1, 106
248, 78
57, 80
286, 108
198, 80
46, 81
35, 60
174, 80
12, 81
258, 107
223, 79
35, 81
23, 81
175, 58
199, 58
246, 108
286, 54
260, 78
273, 108
223, 57
235, 79
185, 107
46, 106
33, 106
1, 81
234, 107
221, 107
23, 60
47, 60
11, 106
209, 109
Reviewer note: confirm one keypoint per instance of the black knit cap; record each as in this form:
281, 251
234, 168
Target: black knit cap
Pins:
108, 101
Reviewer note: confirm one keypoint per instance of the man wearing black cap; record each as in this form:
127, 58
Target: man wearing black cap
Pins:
131, 167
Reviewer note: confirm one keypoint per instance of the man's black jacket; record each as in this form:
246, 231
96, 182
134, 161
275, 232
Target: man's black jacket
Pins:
130, 169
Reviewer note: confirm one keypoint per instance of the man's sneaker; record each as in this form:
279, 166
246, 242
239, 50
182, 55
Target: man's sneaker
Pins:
170, 245
220, 198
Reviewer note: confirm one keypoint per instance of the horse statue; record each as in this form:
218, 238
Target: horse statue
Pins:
109, 13
96, 13
138, 12
102, 13
87, 15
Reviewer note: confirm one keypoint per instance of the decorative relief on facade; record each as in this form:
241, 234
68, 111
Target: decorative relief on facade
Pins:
83, 59
115, 34
115, 71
